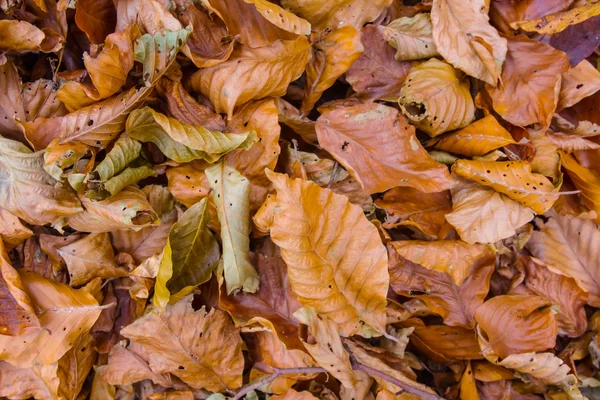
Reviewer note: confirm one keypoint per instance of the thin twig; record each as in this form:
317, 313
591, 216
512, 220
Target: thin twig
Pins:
278, 372
357, 366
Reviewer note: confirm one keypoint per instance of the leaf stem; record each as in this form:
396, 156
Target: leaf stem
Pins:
270, 378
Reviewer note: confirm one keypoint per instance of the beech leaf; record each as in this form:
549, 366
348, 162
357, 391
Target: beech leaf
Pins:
411, 37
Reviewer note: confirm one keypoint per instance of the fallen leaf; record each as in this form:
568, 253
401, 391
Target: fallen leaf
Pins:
464, 37
477, 139
337, 13
558, 22
20, 35
566, 245
90, 257
585, 180
512, 178
231, 195
428, 91
577, 83
262, 72
529, 318
96, 18
411, 37
380, 149
529, 94
125, 367
12, 231
504, 12
64, 315
474, 204
468, 387
546, 160
455, 304
39, 382
202, 349
321, 271
376, 74
331, 57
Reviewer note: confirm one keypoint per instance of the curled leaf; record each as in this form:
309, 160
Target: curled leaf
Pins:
411, 37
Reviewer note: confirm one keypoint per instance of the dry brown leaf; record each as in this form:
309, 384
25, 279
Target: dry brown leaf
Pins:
75, 365
202, 349
529, 94
465, 38
377, 74
512, 178
12, 230
96, 18
477, 139
336, 13
482, 215
441, 343
40, 101
436, 98
20, 35
411, 37
380, 149
568, 247
580, 81
64, 314
585, 180
455, 304
331, 56
341, 273
13, 109
39, 382
454, 257
570, 143
546, 160
517, 324
291, 394
90, 257
503, 13
125, 367
411, 208
252, 74
560, 290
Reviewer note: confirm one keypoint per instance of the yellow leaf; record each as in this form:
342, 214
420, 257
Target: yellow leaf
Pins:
202, 349
465, 38
468, 388
64, 313
411, 37
477, 139
280, 17
252, 74
331, 57
20, 35
482, 215
436, 98
342, 273
585, 180
512, 178
558, 22
231, 195
546, 159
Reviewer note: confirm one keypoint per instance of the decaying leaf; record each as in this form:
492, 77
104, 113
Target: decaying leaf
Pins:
436, 98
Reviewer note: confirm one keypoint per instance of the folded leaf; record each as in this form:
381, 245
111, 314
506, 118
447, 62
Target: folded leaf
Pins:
59, 157
125, 367
379, 148
336, 13
529, 93
336, 261
454, 257
465, 38
512, 178
64, 315
455, 304
442, 343
560, 290
517, 324
331, 57
436, 98
130, 176
482, 215
38, 382
546, 159
411, 37
12, 231
231, 195
376, 74
27, 191
202, 349
585, 180
13, 109
128, 209
252, 74
90, 257
192, 255
477, 139
182, 142
124, 151
20, 35
568, 247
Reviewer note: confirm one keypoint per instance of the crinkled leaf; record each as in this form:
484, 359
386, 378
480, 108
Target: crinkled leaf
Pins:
558, 22
411, 37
